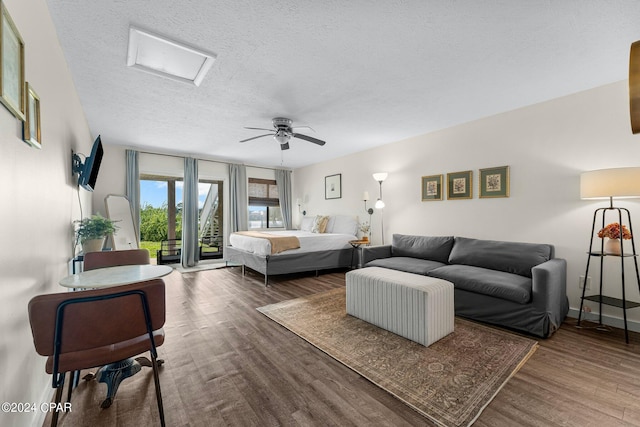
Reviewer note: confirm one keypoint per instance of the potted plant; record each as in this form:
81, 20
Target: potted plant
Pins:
92, 231
365, 229
612, 232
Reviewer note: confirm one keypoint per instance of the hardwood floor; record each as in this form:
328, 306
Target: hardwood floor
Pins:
227, 364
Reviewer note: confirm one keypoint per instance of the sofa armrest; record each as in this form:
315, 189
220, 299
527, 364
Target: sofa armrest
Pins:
549, 290
369, 253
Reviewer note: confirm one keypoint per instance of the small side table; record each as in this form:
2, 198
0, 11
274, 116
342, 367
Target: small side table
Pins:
356, 244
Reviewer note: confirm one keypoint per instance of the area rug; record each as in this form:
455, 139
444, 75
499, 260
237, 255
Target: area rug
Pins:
449, 382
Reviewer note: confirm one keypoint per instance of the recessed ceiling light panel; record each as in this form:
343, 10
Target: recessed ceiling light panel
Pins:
167, 58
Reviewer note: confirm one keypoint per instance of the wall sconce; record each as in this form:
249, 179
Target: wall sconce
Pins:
299, 203
365, 197
380, 177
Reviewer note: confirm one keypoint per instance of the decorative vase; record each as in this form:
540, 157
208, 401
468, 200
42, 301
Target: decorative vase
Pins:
612, 246
92, 245
365, 238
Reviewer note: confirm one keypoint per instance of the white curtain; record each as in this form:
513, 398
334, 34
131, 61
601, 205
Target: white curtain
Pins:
190, 243
238, 203
133, 188
283, 181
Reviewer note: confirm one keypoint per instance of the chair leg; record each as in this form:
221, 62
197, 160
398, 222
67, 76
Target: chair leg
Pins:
54, 415
72, 383
156, 380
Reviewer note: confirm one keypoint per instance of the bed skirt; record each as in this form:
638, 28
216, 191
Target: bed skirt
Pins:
269, 265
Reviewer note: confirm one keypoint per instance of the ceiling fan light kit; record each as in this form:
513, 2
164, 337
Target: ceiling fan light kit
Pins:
283, 132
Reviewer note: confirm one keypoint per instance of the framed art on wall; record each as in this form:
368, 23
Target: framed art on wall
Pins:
31, 131
431, 188
494, 182
11, 66
333, 186
460, 185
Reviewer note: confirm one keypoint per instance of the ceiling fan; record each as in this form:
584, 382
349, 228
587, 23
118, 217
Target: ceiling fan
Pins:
283, 131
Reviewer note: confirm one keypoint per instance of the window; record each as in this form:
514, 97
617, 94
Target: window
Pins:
264, 204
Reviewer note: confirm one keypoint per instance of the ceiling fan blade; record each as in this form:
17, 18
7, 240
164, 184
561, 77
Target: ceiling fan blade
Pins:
304, 127
268, 130
256, 137
309, 138
284, 146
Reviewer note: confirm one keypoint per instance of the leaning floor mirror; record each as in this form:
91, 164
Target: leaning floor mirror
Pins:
119, 209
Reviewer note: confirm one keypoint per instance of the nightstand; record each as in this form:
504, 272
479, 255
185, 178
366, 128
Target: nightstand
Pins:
357, 244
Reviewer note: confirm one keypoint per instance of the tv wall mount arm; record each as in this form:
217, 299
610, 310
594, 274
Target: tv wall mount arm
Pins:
76, 163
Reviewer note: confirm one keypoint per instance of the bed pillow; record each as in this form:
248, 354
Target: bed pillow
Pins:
320, 224
343, 224
307, 223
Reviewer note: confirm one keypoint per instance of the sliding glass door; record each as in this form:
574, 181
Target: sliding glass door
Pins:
210, 208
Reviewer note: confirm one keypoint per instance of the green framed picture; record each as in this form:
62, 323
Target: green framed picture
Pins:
31, 129
12, 84
431, 188
460, 185
494, 182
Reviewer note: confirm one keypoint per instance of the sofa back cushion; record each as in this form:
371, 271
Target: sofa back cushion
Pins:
511, 257
434, 248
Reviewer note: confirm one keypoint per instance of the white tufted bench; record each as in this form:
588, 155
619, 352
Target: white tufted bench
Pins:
414, 306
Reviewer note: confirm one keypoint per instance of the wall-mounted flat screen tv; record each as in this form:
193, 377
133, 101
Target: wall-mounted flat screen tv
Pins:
88, 172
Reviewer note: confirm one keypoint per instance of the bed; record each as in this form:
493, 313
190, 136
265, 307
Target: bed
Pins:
321, 248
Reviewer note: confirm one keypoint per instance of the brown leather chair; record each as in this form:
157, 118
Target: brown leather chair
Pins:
93, 260
88, 329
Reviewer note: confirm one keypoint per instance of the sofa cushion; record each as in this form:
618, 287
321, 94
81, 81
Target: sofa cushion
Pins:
434, 248
410, 265
499, 284
510, 257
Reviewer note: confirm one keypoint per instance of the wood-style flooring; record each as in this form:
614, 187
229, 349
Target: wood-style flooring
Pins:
227, 364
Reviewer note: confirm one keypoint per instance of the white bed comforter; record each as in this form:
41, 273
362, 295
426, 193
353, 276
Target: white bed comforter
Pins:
309, 242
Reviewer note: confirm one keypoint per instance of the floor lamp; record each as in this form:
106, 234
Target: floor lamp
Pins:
607, 184
380, 177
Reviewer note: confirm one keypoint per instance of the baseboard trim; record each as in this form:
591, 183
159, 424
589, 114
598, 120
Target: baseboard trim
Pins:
615, 322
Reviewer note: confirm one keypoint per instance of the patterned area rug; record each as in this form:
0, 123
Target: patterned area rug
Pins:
449, 382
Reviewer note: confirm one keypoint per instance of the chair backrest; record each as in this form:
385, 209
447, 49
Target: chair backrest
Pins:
93, 323
93, 260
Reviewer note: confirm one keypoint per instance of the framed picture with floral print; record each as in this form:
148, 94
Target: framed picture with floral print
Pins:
494, 182
460, 185
431, 188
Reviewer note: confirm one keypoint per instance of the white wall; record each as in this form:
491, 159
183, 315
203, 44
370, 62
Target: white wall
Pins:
546, 146
40, 201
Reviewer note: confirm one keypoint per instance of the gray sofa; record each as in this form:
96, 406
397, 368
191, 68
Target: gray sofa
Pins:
516, 285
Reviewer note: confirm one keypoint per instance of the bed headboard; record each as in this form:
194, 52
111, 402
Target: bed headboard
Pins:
340, 224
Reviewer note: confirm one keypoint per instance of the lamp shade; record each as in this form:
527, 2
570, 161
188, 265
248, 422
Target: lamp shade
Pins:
605, 183
380, 176
379, 204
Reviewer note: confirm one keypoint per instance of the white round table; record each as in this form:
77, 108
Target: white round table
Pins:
115, 276
113, 373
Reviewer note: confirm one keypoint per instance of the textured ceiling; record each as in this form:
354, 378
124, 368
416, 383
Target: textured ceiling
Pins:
361, 73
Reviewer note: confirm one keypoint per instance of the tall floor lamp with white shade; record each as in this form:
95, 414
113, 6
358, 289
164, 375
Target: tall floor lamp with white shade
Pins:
380, 177
609, 184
